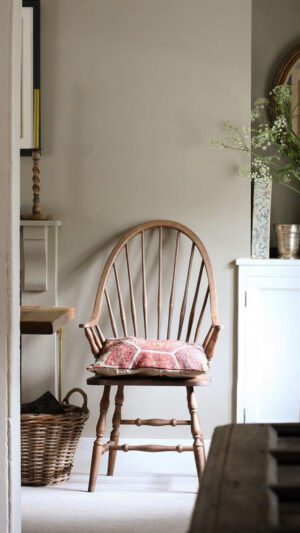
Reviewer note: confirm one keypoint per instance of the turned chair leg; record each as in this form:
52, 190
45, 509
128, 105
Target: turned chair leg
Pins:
199, 451
115, 434
99, 444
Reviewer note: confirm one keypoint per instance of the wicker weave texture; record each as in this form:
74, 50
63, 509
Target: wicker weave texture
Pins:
49, 442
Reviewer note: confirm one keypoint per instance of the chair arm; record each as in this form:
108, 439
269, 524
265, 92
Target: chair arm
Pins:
89, 324
210, 340
94, 335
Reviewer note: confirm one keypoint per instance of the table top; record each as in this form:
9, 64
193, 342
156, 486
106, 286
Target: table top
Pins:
251, 482
44, 320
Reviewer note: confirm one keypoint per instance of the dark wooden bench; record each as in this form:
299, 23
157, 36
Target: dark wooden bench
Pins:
251, 482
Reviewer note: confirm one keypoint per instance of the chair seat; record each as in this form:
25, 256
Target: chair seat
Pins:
198, 381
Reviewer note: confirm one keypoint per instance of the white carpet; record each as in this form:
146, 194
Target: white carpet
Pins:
127, 503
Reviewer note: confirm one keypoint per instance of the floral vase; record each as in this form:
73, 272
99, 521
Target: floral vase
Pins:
261, 217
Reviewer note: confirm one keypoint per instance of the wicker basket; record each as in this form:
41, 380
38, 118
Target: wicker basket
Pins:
48, 443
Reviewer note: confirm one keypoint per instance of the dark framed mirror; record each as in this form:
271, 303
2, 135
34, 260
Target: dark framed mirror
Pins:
289, 74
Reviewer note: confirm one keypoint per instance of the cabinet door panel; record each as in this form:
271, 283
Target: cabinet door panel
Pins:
272, 346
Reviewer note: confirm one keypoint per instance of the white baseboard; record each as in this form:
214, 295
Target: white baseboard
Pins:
140, 462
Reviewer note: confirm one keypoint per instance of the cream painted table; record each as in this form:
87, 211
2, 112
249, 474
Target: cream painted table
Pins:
37, 320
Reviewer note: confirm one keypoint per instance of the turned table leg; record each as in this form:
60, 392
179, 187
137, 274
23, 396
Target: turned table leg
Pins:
199, 451
115, 434
99, 444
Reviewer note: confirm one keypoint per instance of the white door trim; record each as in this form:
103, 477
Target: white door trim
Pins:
10, 521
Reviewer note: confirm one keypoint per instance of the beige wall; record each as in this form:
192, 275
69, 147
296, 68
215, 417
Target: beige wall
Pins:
275, 31
132, 91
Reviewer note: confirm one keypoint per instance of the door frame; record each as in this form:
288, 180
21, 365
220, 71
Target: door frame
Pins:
10, 67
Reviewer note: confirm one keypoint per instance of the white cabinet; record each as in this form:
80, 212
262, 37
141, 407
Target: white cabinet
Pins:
268, 385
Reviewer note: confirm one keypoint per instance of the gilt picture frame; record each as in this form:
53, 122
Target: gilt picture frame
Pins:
30, 119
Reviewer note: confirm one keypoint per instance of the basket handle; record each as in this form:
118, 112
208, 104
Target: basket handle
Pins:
83, 394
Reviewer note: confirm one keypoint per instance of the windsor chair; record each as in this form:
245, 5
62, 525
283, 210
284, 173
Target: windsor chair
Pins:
183, 302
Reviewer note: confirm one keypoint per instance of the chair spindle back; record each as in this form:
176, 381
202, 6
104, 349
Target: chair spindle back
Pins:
134, 274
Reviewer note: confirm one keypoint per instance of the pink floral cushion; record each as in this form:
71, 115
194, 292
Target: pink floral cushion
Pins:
134, 355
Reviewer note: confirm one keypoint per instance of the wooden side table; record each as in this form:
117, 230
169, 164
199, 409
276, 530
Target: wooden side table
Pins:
37, 320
